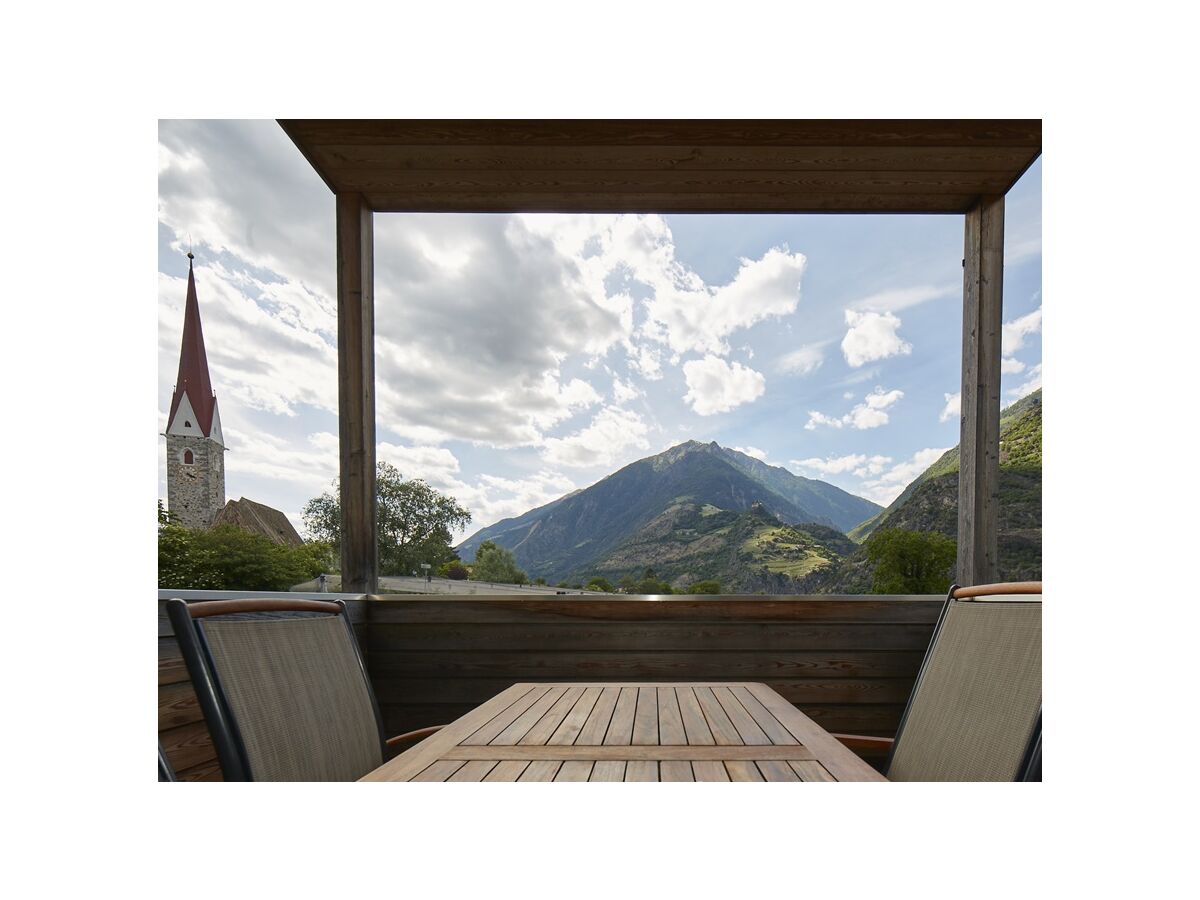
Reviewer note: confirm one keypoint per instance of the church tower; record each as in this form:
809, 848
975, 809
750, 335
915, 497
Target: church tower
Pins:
195, 447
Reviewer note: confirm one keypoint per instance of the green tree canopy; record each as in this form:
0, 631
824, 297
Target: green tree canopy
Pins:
600, 583
495, 563
415, 522
910, 562
704, 587
228, 558
649, 583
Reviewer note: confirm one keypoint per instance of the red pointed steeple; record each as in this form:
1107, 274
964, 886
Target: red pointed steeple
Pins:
193, 380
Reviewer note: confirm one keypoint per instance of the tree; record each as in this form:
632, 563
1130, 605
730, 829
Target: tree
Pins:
649, 583
600, 584
228, 558
910, 562
415, 522
454, 570
495, 563
704, 587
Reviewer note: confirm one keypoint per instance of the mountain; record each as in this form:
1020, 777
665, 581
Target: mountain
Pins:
573, 535
747, 552
930, 503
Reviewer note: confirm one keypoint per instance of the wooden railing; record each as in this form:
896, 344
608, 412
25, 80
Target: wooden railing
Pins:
847, 661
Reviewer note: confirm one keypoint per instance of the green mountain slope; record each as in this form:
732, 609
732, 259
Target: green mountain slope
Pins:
930, 503
574, 534
748, 552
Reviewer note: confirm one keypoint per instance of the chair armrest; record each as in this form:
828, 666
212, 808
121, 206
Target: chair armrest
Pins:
413, 735
860, 742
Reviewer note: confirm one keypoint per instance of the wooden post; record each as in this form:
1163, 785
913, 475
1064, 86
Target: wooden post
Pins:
356, 391
979, 442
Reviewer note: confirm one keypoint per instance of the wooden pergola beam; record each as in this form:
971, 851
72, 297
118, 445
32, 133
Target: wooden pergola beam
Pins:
356, 391
979, 441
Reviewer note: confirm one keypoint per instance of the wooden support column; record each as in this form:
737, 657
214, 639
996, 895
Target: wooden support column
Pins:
356, 391
979, 442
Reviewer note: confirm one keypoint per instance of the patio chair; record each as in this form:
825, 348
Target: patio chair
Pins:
283, 689
975, 712
165, 770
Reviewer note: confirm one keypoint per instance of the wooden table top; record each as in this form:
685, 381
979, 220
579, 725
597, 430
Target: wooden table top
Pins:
713, 731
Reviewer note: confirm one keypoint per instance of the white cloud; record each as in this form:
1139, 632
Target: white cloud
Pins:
612, 432
890, 484
760, 455
436, 465
492, 498
803, 361
872, 336
1013, 334
857, 463
716, 386
902, 298
953, 407
1011, 366
623, 391
871, 413
1030, 385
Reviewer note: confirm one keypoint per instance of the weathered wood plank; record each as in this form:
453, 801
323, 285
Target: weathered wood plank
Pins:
541, 770
670, 720
187, 746
596, 726
776, 770
177, 705
398, 609
356, 391
694, 723
507, 770
620, 729
505, 715
979, 435
743, 770
747, 728
608, 770
574, 770
645, 720
647, 665
629, 752
524, 722
439, 771
641, 770
548, 724
475, 770
630, 636
572, 724
810, 770
709, 770
771, 726
723, 730
417, 690
675, 770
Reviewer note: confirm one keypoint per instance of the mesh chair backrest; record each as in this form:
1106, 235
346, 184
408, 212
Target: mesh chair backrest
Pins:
297, 695
978, 698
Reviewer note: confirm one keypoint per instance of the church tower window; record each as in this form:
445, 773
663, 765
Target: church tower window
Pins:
188, 458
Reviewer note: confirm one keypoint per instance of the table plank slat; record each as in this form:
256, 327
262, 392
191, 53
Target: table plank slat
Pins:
645, 719
670, 720
548, 724
675, 770
747, 728
521, 724
620, 729
723, 731
573, 723
694, 723
541, 770
596, 725
641, 770
609, 770
574, 770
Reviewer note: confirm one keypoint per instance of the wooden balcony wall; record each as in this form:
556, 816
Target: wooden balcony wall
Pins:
849, 662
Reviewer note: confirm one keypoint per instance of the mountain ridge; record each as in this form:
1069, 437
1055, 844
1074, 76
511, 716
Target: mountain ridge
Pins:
574, 534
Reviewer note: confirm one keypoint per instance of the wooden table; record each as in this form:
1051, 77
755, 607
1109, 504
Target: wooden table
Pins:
715, 731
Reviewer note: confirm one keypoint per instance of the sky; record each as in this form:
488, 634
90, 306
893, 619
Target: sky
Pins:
521, 357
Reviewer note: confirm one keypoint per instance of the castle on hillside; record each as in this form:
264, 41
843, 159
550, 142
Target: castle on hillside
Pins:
196, 446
